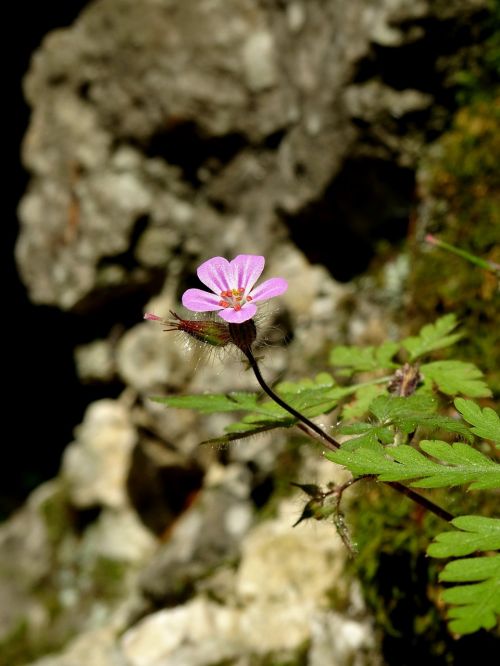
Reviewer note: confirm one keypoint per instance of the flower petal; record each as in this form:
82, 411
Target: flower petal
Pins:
238, 316
216, 274
246, 270
269, 289
200, 301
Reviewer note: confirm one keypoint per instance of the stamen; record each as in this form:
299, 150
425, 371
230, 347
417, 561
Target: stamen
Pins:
237, 307
249, 298
224, 304
241, 290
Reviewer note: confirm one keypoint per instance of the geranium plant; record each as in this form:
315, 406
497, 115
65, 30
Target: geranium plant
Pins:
396, 428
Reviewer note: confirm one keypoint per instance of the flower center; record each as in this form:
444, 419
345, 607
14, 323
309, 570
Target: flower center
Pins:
234, 298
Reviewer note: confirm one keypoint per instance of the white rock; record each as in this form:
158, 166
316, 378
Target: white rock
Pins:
259, 61
272, 626
94, 361
340, 640
119, 535
154, 640
147, 359
290, 566
296, 16
96, 465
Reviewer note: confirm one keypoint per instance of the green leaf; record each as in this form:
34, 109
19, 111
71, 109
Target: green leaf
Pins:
363, 397
404, 412
312, 397
477, 533
486, 422
458, 464
363, 359
470, 569
435, 422
211, 403
452, 377
475, 605
407, 413
369, 435
432, 337
464, 464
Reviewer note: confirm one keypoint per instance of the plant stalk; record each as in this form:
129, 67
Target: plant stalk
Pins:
332, 444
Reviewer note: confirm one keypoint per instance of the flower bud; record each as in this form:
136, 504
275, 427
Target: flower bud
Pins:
213, 333
405, 380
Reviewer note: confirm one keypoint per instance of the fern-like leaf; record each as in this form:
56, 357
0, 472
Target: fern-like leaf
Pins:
432, 337
405, 414
311, 397
475, 605
458, 464
477, 533
363, 359
211, 403
485, 422
367, 434
362, 399
453, 377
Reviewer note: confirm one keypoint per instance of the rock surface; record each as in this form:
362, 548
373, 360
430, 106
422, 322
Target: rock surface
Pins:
144, 128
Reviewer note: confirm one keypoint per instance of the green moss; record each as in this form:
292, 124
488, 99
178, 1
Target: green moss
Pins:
20, 646
477, 67
399, 581
460, 190
14, 648
57, 516
298, 657
459, 185
107, 578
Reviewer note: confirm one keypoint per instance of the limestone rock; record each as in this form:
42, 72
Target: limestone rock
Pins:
97, 647
25, 561
205, 537
147, 131
96, 465
95, 361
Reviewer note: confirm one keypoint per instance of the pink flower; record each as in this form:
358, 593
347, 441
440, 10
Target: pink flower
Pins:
232, 285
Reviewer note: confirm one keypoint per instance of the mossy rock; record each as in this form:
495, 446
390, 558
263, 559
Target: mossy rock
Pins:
460, 203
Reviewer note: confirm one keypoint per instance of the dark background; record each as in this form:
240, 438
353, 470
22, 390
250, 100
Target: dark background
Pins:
44, 399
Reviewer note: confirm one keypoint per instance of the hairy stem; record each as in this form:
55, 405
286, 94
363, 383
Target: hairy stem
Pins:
327, 440
332, 444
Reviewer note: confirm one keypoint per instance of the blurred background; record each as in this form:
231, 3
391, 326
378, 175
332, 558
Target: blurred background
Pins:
146, 136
